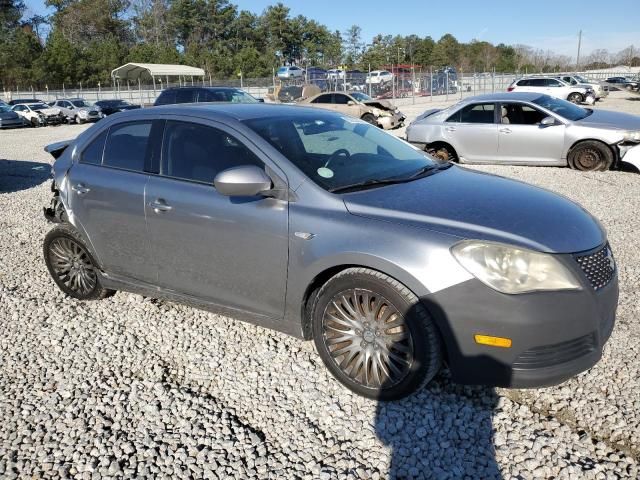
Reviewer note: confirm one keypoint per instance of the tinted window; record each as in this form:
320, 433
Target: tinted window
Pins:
476, 113
323, 99
168, 97
340, 99
127, 146
550, 82
185, 95
198, 152
523, 83
93, 153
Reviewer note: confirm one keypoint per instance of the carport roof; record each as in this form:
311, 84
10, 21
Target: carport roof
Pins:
146, 71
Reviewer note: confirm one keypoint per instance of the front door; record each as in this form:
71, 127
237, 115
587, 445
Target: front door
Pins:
523, 139
107, 186
231, 251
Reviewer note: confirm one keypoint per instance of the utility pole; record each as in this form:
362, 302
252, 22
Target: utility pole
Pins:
578, 56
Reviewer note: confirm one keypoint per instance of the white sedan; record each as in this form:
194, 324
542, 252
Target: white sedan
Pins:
38, 114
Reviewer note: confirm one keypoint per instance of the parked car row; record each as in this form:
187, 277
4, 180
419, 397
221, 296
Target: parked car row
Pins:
32, 112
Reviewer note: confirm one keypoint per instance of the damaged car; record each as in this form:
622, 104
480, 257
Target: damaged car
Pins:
380, 113
39, 114
528, 129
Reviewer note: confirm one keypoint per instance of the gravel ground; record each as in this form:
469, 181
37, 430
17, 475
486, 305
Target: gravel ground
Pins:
133, 387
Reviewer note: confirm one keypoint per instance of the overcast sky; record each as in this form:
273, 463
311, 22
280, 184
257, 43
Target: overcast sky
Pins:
544, 24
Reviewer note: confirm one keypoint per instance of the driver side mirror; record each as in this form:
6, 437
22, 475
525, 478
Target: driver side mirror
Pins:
548, 121
351, 103
242, 181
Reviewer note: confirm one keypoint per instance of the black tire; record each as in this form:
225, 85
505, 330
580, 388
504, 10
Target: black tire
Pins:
575, 97
370, 118
78, 120
63, 250
590, 155
405, 331
442, 152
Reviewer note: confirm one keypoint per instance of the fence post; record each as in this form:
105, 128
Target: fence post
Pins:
447, 86
47, 89
369, 76
431, 82
461, 83
413, 84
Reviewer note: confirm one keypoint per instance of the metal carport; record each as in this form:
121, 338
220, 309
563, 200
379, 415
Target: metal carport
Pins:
151, 71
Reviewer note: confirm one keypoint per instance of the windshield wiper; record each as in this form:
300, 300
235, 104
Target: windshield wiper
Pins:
374, 182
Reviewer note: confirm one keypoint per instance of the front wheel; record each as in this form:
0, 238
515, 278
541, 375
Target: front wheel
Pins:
575, 97
590, 156
369, 118
71, 265
374, 335
78, 120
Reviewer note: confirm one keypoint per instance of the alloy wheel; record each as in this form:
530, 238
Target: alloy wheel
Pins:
368, 338
72, 265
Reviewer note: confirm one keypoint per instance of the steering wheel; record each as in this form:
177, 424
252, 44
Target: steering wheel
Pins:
336, 154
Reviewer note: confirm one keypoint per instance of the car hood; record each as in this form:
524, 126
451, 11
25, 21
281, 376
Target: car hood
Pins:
381, 104
475, 205
609, 119
49, 111
8, 115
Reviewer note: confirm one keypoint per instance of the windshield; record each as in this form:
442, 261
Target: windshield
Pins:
80, 103
562, 107
582, 79
336, 151
361, 97
38, 106
238, 96
4, 108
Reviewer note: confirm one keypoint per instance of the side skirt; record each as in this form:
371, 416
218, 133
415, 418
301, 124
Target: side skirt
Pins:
116, 282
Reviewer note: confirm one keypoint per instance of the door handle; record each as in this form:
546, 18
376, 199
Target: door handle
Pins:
505, 130
80, 189
450, 129
160, 206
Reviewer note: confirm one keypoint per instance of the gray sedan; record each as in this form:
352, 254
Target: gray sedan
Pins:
325, 227
528, 129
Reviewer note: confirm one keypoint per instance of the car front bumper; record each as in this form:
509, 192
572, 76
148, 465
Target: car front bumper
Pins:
555, 334
630, 155
389, 122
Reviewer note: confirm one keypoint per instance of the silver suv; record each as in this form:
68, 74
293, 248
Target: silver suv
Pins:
554, 87
324, 227
78, 110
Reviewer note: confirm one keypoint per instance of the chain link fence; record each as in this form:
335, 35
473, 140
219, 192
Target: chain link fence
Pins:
410, 83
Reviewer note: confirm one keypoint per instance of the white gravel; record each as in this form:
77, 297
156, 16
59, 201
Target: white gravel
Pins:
133, 387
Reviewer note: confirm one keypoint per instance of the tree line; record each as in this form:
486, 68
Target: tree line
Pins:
83, 40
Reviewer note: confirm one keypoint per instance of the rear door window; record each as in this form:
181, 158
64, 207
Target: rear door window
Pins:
185, 95
126, 146
93, 153
475, 113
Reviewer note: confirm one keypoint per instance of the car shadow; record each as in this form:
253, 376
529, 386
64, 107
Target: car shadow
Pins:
16, 175
445, 430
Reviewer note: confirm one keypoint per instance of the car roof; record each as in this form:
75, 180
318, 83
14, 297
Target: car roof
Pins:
236, 111
202, 87
504, 97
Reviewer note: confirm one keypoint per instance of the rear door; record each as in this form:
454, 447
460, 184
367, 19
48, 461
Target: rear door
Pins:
473, 132
522, 139
107, 197
231, 251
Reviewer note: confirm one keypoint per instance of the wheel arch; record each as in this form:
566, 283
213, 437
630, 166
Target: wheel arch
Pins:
327, 272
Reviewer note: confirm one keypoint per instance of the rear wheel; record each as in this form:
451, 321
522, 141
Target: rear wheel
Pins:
590, 155
374, 335
575, 97
71, 265
442, 152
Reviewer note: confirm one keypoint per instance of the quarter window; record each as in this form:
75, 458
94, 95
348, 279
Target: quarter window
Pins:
127, 146
198, 152
93, 153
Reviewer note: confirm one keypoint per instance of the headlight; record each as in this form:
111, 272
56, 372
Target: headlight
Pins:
513, 270
83, 113
633, 136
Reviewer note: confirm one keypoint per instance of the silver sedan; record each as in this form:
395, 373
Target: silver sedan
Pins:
528, 129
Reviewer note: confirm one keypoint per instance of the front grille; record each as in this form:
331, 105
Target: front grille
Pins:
93, 112
550, 355
598, 267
